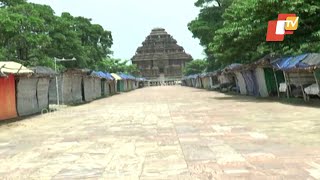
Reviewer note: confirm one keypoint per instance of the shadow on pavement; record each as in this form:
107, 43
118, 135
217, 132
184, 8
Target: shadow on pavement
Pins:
291, 101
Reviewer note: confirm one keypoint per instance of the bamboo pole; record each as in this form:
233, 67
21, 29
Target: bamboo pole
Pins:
277, 84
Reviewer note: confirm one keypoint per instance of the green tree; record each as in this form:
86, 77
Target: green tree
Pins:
243, 36
240, 34
5, 3
24, 31
204, 27
195, 67
132, 69
117, 65
77, 37
32, 35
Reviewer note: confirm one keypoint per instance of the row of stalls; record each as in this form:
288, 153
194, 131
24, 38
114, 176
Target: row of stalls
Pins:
294, 76
27, 91
80, 85
126, 82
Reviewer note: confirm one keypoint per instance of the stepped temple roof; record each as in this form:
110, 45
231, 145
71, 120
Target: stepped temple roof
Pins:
160, 45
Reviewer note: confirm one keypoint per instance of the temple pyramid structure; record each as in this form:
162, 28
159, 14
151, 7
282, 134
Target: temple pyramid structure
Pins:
160, 56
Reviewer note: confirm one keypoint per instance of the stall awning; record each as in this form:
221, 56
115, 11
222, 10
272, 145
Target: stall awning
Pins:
126, 76
116, 76
43, 71
102, 75
10, 67
289, 63
310, 62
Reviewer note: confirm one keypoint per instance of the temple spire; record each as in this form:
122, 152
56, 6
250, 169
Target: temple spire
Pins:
160, 55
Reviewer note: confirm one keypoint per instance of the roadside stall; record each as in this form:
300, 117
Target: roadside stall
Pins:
227, 78
105, 88
8, 71
33, 91
205, 79
70, 87
295, 81
309, 74
119, 82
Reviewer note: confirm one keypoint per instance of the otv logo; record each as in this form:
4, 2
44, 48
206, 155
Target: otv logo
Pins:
286, 24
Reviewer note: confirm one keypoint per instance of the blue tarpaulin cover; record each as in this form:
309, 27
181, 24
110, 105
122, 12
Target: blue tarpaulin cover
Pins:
279, 63
131, 77
123, 76
102, 75
127, 76
289, 62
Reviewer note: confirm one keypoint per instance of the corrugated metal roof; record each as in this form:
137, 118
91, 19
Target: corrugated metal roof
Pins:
78, 71
313, 59
10, 67
41, 70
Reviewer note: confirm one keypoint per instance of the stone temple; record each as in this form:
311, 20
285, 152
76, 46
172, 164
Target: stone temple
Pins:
160, 58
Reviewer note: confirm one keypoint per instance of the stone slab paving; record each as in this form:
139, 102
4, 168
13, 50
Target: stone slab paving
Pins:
165, 133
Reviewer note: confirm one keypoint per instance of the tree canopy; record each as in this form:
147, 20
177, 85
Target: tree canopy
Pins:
117, 65
195, 67
235, 30
204, 27
33, 35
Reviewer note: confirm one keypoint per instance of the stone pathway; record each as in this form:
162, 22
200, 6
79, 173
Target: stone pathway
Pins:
165, 133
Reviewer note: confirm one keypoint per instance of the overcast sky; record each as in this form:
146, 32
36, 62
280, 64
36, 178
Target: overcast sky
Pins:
130, 21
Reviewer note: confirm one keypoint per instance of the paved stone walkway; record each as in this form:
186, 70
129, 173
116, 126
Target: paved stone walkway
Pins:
165, 133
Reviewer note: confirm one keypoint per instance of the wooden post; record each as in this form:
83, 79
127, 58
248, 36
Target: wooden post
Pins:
317, 81
277, 84
286, 81
289, 82
304, 95
62, 91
